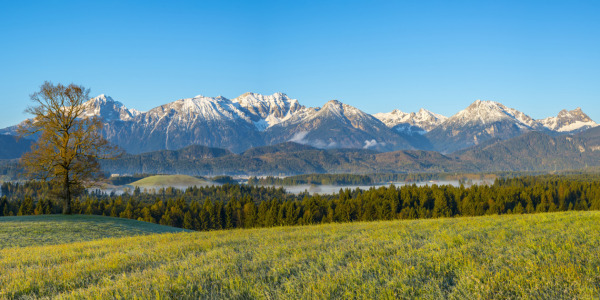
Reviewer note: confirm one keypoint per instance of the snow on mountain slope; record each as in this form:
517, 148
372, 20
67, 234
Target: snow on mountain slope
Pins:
199, 107
108, 109
343, 112
427, 119
479, 122
336, 125
487, 112
420, 122
334, 110
393, 118
214, 122
569, 121
268, 110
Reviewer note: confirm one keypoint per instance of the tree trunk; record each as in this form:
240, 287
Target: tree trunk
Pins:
67, 188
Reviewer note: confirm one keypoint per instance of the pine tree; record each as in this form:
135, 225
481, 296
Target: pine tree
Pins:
3, 204
26, 207
518, 209
188, 222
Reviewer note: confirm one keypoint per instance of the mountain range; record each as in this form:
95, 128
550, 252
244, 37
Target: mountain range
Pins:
253, 120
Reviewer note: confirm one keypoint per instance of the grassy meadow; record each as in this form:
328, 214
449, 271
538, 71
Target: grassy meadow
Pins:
538, 256
59, 229
169, 180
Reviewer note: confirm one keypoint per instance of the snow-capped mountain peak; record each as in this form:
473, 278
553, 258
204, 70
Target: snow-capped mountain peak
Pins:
108, 109
393, 118
268, 110
200, 107
339, 110
427, 119
482, 111
487, 112
569, 121
424, 120
334, 107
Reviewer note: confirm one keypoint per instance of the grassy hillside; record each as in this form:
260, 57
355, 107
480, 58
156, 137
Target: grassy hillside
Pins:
60, 229
541, 256
170, 180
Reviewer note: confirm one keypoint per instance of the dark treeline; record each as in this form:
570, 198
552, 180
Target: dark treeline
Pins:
128, 179
321, 179
123, 180
243, 206
376, 178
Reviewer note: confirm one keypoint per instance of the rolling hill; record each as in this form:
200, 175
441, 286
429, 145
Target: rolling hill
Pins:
170, 180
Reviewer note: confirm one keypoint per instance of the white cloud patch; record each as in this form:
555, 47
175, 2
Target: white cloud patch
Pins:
318, 144
370, 144
299, 137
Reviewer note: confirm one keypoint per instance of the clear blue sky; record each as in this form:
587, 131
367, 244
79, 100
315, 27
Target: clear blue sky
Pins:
535, 56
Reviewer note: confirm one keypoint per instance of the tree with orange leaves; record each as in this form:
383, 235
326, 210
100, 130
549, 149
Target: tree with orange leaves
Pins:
69, 144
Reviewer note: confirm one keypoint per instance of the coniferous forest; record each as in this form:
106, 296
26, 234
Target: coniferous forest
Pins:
245, 206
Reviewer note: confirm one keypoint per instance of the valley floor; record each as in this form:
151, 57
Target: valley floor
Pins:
541, 256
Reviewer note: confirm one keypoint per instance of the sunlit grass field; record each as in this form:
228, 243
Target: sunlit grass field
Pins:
59, 229
541, 256
170, 180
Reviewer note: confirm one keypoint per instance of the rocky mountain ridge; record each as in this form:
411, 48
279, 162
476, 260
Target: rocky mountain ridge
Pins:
253, 120
420, 122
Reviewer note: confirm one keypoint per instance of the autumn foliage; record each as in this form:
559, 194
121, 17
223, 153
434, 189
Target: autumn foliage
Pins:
68, 145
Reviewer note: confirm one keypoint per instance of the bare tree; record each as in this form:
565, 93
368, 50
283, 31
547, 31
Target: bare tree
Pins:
69, 144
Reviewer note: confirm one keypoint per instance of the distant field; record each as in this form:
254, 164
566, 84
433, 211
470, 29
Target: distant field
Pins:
540, 256
170, 180
60, 229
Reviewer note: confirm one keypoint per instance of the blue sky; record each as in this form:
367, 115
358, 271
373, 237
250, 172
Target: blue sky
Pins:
535, 56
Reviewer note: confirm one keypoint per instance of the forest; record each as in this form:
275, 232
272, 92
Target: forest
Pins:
376, 178
245, 206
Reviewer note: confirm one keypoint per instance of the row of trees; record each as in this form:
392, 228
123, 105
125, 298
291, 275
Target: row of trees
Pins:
240, 206
377, 178
321, 179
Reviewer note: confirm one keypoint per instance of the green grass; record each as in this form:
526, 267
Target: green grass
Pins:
541, 256
170, 180
61, 229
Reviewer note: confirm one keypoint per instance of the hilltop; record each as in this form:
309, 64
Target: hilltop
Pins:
170, 181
